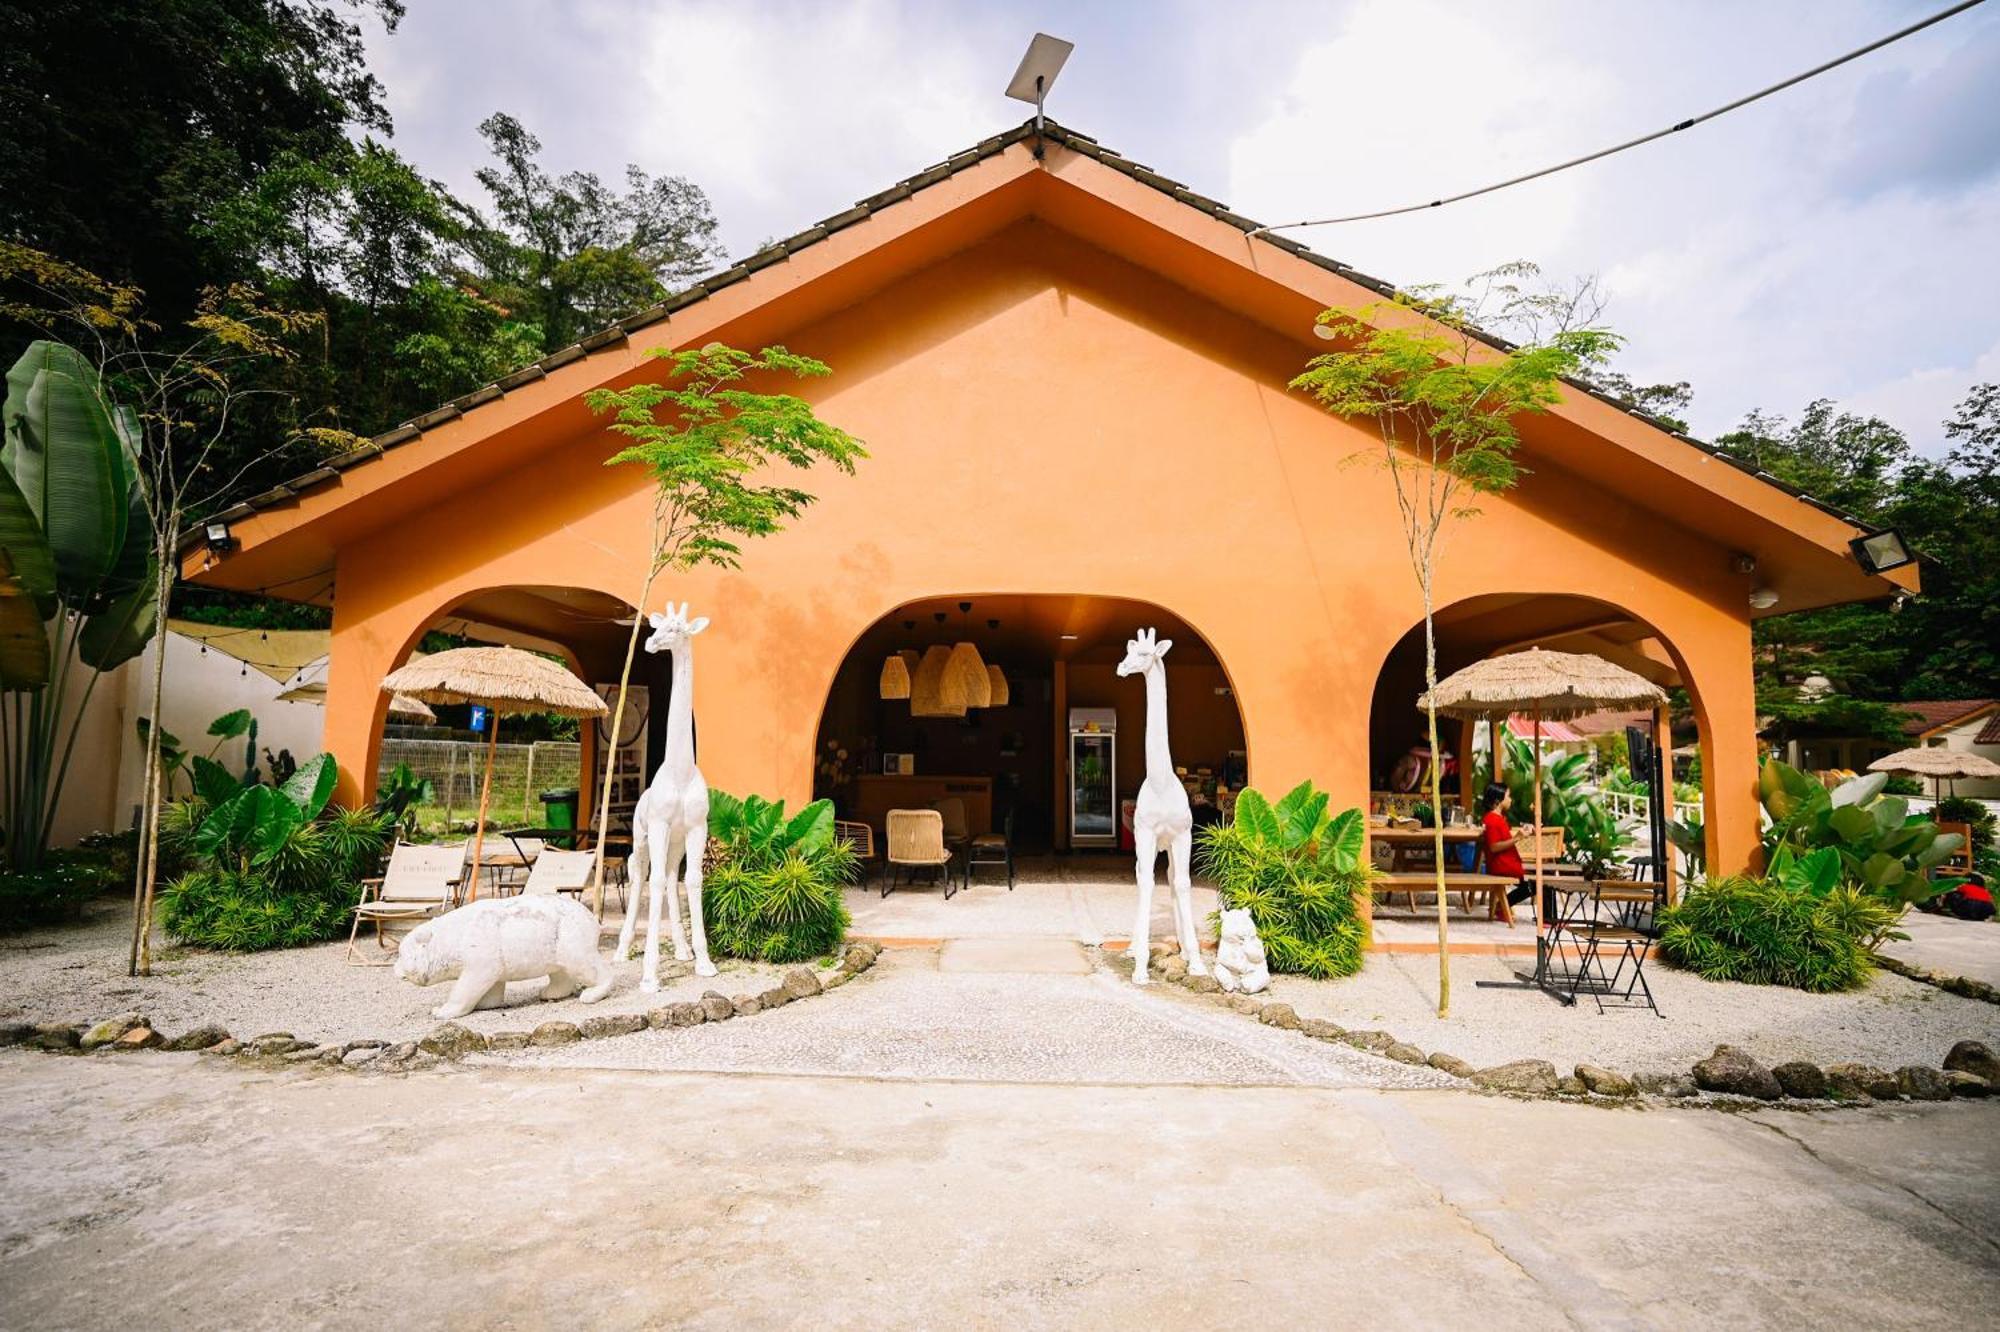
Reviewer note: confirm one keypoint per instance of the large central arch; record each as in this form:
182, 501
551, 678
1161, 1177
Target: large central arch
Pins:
1058, 652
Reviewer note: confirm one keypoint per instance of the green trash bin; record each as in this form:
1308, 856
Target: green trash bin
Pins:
559, 811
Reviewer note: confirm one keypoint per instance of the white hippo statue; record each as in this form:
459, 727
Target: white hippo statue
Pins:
483, 945
1239, 955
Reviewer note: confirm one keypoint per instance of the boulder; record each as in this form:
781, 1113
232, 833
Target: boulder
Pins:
555, 1033
1450, 1063
1174, 969
1204, 984
1967, 1084
857, 957
1405, 1053
139, 1038
109, 1030
1369, 1040
836, 979
775, 997
228, 1047
1920, 1082
1569, 1084
277, 1043
1279, 1015
746, 1005
200, 1038
686, 1014
1533, 1077
273, 1036
452, 1040
1321, 1029
1731, 1071
1973, 1057
361, 1054
1802, 1079
1665, 1084
55, 1036
308, 1054
801, 983
611, 1024
16, 1033
716, 1007
1860, 1082
1243, 1003
400, 1053
509, 1040
1604, 1082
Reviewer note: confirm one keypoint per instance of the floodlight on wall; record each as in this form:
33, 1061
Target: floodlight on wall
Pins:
218, 536
1879, 552
1037, 74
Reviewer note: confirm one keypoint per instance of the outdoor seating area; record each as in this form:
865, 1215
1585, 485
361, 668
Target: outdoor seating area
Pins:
422, 881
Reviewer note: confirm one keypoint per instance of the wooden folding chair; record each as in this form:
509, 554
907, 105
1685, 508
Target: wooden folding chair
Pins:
420, 882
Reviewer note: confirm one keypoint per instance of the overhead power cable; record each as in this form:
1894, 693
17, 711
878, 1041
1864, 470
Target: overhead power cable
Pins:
1689, 123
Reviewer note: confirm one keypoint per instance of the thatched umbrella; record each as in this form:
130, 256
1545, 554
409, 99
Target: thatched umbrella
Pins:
308, 685
1939, 764
500, 679
1557, 685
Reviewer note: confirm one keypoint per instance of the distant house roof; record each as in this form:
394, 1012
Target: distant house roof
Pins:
614, 334
1610, 721
1989, 734
1934, 715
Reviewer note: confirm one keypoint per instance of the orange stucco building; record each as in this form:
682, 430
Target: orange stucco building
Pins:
1070, 376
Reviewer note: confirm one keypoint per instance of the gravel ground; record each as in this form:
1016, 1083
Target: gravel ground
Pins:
905, 1019
77, 973
1089, 898
1889, 1023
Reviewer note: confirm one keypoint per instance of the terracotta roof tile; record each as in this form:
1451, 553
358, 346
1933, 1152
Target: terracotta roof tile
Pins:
1933, 713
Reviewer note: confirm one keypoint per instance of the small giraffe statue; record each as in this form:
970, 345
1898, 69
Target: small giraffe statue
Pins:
1162, 819
670, 822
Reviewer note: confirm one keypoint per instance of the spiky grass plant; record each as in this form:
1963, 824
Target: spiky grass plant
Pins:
1773, 932
1298, 871
772, 888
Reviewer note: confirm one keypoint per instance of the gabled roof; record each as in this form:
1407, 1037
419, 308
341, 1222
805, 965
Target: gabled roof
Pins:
618, 332
1942, 714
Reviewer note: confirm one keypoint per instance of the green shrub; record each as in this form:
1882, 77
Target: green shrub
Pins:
1298, 872
269, 867
1883, 849
1799, 927
56, 891
1899, 785
1963, 809
771, 888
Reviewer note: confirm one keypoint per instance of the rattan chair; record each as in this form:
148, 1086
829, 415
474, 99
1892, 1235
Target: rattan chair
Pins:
861, 837
916, 841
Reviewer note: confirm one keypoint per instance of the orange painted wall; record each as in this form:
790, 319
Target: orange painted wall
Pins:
1045, 417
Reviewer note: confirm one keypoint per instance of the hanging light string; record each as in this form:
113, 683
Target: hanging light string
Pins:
1689, 123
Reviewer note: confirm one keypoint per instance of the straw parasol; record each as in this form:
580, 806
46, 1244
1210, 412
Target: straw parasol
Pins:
1937, 763
308, 685
500, 679
1548, 684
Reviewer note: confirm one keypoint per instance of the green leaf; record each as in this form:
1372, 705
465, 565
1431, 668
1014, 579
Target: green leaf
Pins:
120, 632
1882, 870
1820, 871
1852, 824
24, 640
1940, 850
1345, 840
230, 725
312, 785
811, 828
1301, 823
21, 540
67, 460
214, 783
1859, 790
1256, 817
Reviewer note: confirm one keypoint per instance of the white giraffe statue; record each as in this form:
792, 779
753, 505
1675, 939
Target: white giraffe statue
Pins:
670, 822
1162, 819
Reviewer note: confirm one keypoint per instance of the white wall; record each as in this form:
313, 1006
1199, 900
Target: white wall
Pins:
1961, 738
107, 774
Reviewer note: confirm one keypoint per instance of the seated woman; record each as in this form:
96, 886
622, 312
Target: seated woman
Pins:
1496, 843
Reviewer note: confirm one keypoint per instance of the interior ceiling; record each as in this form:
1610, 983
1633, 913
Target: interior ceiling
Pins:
1033, 627
1488, 625
589, 622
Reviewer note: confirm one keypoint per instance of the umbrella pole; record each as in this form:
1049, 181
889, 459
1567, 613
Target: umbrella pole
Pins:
485, 794
1541, 962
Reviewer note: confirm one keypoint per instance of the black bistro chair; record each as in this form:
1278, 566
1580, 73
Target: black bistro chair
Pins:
992, 849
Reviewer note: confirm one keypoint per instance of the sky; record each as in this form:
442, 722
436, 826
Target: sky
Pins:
1839, 240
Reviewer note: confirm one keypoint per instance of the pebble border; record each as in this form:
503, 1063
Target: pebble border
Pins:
1960, 985
1727, 1079
448, 1043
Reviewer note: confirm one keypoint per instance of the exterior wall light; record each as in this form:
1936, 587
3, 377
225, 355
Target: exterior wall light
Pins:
1879, 552
1763, 598
218, 536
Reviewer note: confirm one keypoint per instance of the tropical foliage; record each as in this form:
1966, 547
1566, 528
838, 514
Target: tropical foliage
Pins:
772, 888
1881, 847
270, 866
1800, 925
1300, 872
1592, 833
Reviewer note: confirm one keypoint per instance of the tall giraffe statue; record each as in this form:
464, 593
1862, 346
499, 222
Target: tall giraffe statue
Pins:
1163, 819
670, 822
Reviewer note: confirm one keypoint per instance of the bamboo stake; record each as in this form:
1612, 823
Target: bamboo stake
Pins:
485, 793
1541, 966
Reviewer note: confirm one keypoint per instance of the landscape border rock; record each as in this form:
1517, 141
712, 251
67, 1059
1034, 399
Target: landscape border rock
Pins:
448, 1042
1960, 985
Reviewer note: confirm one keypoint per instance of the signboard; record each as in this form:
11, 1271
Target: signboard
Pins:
479, 715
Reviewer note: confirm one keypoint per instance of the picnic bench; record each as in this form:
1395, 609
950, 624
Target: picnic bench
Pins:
1411, 882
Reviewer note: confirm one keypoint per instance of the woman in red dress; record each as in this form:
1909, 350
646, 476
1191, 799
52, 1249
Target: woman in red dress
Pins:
1496, 841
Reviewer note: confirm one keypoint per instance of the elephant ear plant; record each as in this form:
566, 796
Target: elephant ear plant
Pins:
771, 888
1883, 848
1299, 872
270, 866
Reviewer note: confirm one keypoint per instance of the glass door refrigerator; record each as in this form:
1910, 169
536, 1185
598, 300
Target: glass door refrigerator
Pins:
1093, 777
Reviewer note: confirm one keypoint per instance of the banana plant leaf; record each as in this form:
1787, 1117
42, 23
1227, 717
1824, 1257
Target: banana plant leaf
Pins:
69, 463
120, 631
24, 641
28, 550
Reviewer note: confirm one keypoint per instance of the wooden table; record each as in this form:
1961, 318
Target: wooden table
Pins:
1411, 882
1403, 841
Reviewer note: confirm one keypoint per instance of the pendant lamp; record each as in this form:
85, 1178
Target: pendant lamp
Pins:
996, 683
935, 691
895, 682
969, 670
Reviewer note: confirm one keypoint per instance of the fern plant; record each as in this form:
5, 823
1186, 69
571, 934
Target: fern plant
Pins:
771, 887
1298, 870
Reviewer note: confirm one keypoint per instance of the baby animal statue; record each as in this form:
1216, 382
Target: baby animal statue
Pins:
670, 822
483, 945
1239, 955
1162, 819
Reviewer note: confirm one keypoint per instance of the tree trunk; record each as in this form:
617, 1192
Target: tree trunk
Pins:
601, 827
149, 821
1437, 803
485, 794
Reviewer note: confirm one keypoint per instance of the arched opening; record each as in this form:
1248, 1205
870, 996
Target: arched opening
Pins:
534, 754
1065, 753
1484, 626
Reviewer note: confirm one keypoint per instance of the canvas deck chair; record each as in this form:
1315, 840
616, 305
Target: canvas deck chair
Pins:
558, 871
421, 882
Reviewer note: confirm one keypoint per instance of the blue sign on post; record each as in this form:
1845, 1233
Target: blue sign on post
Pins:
478, 717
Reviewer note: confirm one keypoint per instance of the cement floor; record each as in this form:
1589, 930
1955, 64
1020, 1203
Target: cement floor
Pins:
175, 1191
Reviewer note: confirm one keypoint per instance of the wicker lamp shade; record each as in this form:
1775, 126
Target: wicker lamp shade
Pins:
996, 682
936, 691
911, 657
895, 682
968, 668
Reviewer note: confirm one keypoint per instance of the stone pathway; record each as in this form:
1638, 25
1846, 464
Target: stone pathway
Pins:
918, 1015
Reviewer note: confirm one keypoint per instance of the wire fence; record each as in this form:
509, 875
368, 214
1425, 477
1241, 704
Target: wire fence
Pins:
454, 769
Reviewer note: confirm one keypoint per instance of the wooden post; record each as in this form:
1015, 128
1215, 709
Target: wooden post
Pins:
485, 793
1538, 837
450, 781
528, 783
